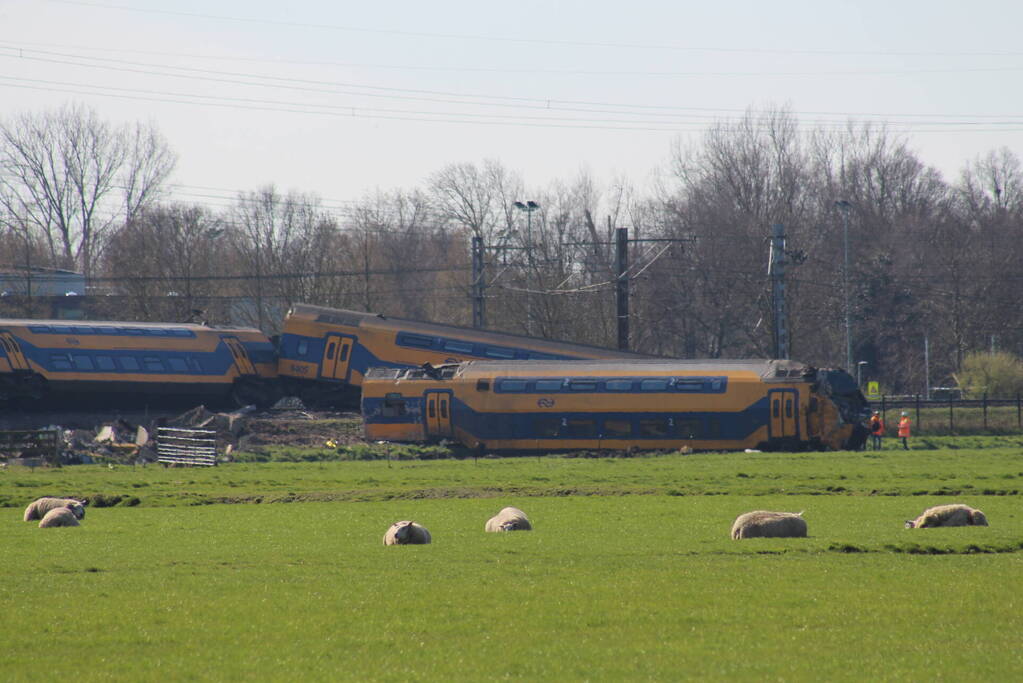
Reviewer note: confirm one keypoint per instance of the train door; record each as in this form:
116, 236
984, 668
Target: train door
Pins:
784, 407
337, 354
241, 356
438, 413
15, 356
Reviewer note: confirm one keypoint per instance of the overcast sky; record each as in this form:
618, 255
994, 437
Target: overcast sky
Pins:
340, 98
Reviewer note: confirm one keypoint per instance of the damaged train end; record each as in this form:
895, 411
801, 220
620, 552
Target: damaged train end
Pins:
843, 410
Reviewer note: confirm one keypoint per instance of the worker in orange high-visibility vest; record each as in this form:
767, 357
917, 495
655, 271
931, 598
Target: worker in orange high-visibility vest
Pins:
876, 430
904, 429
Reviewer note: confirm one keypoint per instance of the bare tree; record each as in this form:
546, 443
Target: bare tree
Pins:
72, 178
167, 263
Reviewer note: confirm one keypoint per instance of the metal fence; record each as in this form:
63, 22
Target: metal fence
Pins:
28, 445
186, 446
953, 416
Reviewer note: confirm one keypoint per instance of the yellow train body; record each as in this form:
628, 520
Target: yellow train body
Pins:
615, 405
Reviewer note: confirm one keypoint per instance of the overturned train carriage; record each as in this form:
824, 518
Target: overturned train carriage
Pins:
326, 352
617, 405
55, 361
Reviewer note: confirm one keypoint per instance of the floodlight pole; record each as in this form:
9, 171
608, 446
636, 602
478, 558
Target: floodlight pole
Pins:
844, 206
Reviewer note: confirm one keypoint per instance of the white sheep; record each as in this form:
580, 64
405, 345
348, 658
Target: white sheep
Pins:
509, 519
37, 509
955, 514
58, 517
406, 533
766, 524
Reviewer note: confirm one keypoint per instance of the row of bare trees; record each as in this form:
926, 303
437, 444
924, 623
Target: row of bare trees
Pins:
930, 259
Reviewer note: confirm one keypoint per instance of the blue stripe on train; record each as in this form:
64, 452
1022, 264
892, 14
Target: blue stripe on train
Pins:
171, 361
731, 426
362, 359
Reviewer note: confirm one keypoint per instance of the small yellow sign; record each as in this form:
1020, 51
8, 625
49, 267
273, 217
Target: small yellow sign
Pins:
873, 390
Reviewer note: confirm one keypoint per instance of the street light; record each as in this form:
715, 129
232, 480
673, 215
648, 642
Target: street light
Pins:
844, 206
529, 207
859, 373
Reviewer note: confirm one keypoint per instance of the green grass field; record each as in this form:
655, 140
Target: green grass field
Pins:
629, 573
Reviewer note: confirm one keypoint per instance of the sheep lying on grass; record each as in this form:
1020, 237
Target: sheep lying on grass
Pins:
955, 514
509, 519
766, 524
406, 533
37, 509
58, 517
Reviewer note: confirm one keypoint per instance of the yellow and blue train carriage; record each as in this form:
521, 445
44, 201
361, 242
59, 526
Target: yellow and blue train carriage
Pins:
617, 405
326, 352
50, 360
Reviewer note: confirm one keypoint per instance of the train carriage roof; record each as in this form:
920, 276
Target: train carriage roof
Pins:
357, 318
766, 369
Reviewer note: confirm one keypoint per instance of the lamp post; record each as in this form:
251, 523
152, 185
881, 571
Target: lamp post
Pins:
859, 374
529, 207
844, 207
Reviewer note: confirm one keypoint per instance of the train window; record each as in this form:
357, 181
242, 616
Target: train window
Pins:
774, 408
178, 332
688, 384
618, 385
653, 427
129, 362
39, 329
582, 385
548, 384
62, 329
105, 329
82, 362
689, 429
788, 407
511, 385
303, 347
415, 340
653, 385
343, 355
153, 364
83, 330
194, 364
617, 428
457, 346
105, 363
536, 355
546, 427
444, 409
497, 352
579, 429
431, 408
716, 385
714, 428
330, 351
60, 361
177, 364
156, 332
394, 405
132, 331
483, 385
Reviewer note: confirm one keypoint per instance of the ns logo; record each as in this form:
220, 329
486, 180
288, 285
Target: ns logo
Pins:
545, 403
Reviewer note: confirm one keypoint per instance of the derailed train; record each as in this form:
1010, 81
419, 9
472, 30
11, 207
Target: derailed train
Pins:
52, 361
617, 405
529, 393
322, 356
